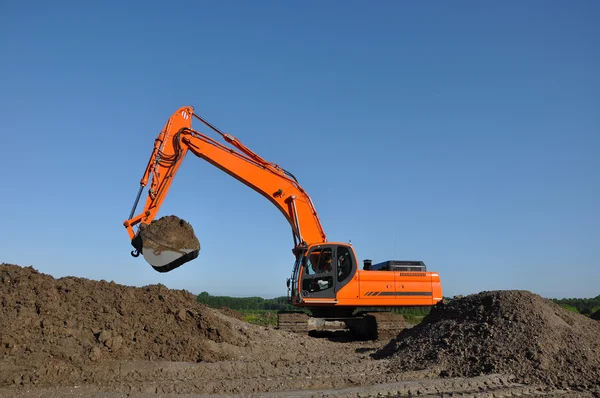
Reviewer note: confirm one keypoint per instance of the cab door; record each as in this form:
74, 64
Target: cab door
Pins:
318, 273
326, 269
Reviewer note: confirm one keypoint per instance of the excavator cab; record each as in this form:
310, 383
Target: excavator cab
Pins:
321, 270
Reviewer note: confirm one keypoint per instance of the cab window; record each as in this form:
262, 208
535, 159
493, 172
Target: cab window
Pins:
320, 261
344, 263
318, 270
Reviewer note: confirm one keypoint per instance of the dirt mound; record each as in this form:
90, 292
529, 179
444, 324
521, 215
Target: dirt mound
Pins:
514, 332
79, 320
596, 315
72, 331
73, 323
169, 232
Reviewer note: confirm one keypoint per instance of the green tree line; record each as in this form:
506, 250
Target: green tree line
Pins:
585, 306
245, 303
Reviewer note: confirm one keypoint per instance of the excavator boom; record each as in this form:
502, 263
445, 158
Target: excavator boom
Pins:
269, 179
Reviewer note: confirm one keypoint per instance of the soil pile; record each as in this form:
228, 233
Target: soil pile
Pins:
169, 233
509, 332
55, 330
79, 320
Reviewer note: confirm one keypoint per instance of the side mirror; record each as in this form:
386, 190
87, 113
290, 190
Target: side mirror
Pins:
288, 283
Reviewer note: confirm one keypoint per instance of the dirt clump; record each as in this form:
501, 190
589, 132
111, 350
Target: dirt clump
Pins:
509, 332
169, 233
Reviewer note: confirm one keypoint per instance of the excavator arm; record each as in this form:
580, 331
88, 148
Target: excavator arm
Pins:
269, 179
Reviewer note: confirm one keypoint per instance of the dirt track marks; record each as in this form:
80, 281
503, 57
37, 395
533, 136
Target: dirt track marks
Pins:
491, 386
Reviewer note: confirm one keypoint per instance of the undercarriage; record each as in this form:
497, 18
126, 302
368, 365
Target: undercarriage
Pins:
370, 325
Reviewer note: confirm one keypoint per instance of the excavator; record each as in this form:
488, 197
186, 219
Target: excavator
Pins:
326, 284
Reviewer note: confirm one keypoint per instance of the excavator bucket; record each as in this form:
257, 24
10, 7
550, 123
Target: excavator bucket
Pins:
167, 243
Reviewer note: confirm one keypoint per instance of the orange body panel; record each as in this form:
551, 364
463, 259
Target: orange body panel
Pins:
379, 289
385, 289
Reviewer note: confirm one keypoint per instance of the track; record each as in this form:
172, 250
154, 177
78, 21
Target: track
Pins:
491, 386
370, 325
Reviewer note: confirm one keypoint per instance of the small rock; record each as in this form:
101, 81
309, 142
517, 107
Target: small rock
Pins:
114, 343
95, 354
104, 336
181, 314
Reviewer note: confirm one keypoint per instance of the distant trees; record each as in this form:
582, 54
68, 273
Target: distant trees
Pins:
585, 306
244, 303
569, 308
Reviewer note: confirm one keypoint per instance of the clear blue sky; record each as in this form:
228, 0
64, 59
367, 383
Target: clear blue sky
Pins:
463, 134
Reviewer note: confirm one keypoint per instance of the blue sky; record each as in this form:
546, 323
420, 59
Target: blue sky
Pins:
463, 134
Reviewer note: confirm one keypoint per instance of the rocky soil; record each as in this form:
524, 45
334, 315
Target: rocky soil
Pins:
78, 337
509, 332
53, 331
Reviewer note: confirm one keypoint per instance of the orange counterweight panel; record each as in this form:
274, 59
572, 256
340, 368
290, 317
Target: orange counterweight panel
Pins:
389, 289
376, 285
414, 288
436, 287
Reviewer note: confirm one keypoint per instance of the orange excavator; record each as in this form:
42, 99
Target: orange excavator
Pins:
326, 278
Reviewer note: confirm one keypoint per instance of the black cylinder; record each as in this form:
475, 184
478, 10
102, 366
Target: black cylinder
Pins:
367, 264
